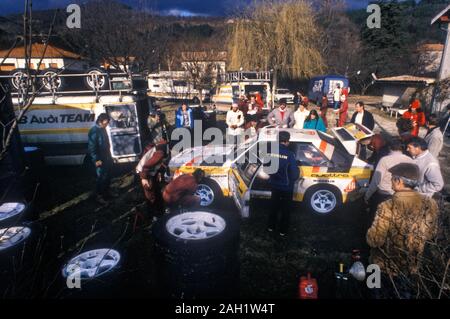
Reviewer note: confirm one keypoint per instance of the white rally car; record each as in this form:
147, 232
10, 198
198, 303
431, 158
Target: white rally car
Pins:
331, 174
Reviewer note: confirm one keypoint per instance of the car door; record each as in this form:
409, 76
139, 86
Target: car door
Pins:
241, 178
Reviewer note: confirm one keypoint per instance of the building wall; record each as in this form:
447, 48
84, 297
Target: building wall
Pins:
14, 63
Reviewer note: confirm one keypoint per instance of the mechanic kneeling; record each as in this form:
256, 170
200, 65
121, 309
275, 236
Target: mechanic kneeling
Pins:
181, 190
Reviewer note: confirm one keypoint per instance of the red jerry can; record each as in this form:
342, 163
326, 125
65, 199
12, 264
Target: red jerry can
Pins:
307, 288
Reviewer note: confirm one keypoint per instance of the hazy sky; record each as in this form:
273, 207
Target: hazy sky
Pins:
178, 7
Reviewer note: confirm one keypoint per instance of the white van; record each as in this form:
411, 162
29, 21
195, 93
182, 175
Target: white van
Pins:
175, 85
234, 84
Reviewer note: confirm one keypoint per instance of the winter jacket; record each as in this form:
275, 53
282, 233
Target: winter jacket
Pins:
401, 227
430, 180
343, 110
288, 172
179, 119
234, 119
316, 124
367, 119
184, 185
418, 118
276, 118
299, 118
435, 141
98, 144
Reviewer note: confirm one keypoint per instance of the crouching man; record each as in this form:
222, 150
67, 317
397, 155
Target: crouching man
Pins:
149, 170
181, 190
398, 235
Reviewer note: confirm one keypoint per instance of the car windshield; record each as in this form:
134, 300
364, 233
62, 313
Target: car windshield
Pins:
283, 91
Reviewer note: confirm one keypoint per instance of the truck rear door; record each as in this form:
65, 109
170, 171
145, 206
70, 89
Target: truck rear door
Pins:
124, 132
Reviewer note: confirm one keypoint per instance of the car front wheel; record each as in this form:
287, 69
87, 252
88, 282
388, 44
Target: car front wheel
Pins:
323, 199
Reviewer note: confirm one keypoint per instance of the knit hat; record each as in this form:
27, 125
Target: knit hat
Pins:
415, 104
406, 170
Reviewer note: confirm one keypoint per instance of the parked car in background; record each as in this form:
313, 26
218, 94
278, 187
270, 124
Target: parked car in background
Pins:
284, 94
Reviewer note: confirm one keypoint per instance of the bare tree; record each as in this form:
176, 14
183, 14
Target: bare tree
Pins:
118, 35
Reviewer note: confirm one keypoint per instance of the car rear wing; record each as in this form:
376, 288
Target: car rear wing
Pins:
350, 135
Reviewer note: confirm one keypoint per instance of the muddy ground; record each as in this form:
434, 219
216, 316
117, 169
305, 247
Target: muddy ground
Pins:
271, 266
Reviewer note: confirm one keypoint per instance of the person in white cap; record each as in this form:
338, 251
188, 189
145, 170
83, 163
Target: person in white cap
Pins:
235, 122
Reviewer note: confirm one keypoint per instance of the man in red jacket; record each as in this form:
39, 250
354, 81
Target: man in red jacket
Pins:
181, 190
416, 116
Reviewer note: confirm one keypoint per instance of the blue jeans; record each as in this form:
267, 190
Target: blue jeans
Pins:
103, 174
337, 104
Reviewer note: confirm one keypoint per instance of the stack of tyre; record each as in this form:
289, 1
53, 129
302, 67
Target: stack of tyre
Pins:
20, 240
197, 255
20, 233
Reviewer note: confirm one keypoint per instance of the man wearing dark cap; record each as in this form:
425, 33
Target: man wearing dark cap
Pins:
400, 230
282, 184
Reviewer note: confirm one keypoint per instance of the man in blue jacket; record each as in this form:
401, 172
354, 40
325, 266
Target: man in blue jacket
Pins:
282, 184
99, 152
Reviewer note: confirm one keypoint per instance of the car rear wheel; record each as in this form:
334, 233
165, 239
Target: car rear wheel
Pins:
323, 199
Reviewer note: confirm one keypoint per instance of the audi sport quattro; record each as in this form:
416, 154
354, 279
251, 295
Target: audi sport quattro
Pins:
331, 174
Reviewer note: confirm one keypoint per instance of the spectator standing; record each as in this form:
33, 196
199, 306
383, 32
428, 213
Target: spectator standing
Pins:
416, 115
282, 184
253, 108
300, 115
363, 117
343, 110
281, 116
401, 228
184, 117
337, 92
430, 179
235, 122
314, 122
434, 137
100, 155
380, 188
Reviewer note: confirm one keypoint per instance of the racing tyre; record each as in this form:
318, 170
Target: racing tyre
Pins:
20, 252
323, 199
197, 254
96, 80
210, 193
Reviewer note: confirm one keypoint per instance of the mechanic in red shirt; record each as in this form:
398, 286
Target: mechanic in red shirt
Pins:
181, 190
